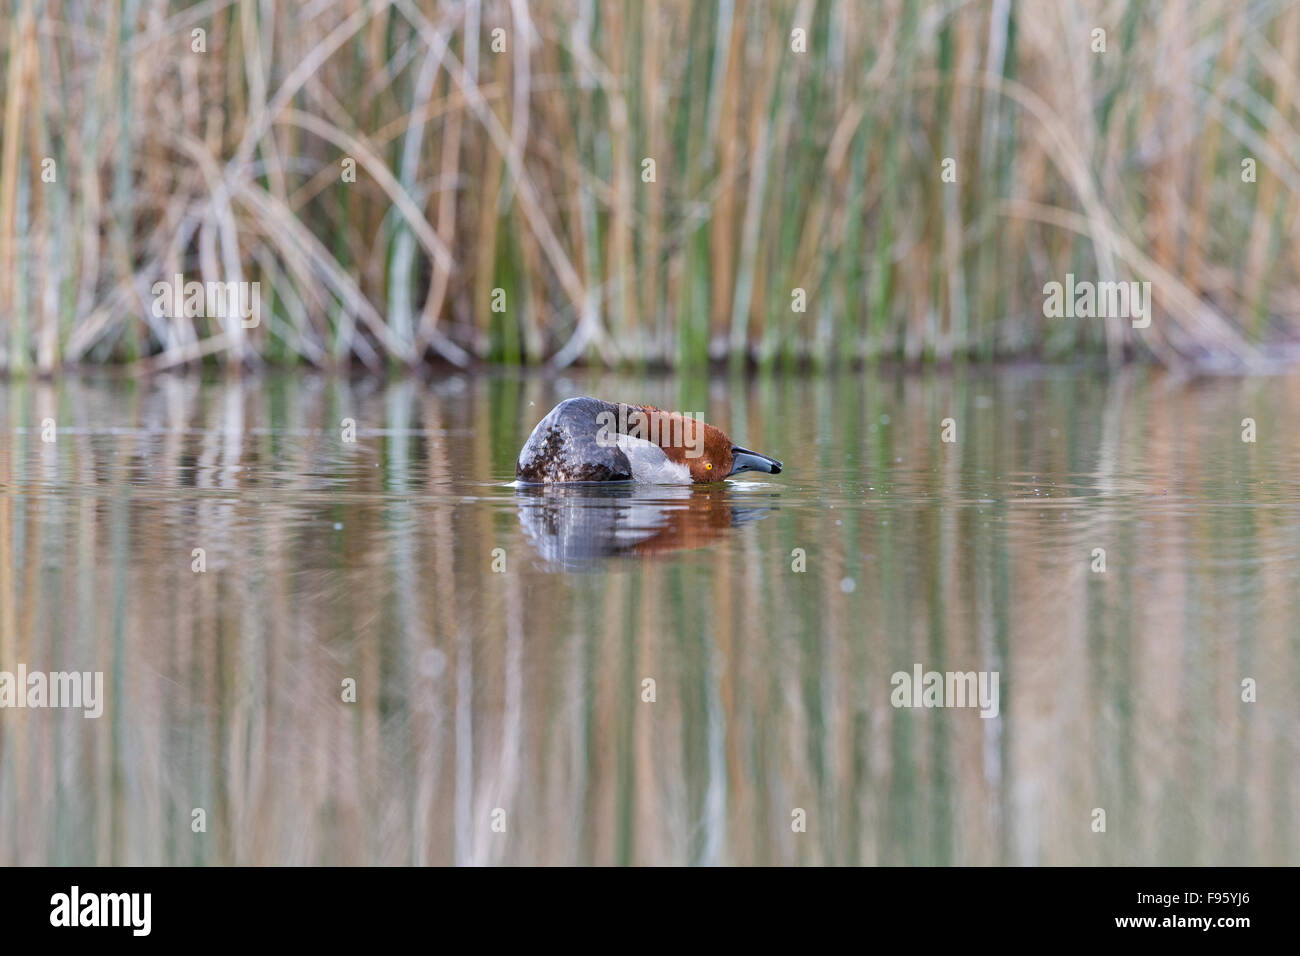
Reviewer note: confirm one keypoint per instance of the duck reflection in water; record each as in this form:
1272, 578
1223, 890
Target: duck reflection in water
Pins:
580, 526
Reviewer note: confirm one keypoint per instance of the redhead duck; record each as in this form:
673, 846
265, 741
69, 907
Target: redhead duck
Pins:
586, 439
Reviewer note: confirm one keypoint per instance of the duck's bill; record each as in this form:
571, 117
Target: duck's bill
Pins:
742, 459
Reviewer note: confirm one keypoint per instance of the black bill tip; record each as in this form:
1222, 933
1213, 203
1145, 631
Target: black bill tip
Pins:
742, 459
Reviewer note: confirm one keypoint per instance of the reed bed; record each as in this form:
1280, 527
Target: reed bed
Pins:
501, 210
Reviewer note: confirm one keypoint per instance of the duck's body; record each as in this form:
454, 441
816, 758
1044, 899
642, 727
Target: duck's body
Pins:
586, 439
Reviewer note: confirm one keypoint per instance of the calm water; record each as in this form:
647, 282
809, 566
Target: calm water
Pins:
499, 640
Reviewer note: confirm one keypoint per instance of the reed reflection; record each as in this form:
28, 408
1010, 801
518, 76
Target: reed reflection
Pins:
770, 617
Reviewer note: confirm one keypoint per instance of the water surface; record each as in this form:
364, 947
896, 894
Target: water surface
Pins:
500, 640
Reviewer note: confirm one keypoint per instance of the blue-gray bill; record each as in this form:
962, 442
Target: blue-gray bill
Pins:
742, 459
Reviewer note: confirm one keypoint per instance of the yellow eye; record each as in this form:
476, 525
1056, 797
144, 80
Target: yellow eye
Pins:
709, 466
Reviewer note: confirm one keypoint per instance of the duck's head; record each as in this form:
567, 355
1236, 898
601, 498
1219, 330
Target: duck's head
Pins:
721, 459
704, 449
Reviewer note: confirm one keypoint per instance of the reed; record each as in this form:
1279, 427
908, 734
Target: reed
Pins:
501, 210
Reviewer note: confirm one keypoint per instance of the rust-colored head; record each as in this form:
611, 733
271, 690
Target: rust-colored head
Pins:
713, 463
704, 449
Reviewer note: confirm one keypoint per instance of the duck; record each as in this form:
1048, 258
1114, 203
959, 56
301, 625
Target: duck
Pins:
586, 439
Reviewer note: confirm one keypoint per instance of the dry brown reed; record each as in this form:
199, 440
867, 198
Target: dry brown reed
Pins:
501, 211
